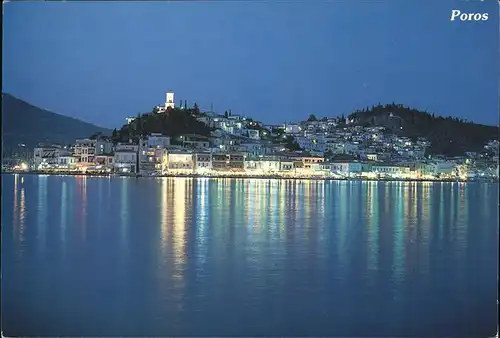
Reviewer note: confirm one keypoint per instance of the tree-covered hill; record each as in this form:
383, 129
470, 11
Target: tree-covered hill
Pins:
448, 135
173, 123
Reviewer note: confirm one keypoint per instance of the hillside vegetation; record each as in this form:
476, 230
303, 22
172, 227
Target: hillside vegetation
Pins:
449, 136
173, 122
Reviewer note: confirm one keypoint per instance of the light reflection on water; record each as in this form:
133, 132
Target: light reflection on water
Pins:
64, 213
301, 255
42, 210
124, 212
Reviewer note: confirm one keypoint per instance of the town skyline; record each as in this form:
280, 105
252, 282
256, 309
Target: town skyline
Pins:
81, 60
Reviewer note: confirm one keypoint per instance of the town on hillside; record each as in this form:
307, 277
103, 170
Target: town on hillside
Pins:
183, 141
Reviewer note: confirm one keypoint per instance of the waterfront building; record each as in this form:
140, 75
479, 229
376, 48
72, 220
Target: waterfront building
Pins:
45, 157
287, 166
388, 170
346, 168
220, 161
269, 165
252, 165
202, 162
236, 162
11, 163
85, 151
125, 158
437, 169
104, 162
322, 169
180, 162
152, 159
228, 162
66, 161
307, 160
366, 167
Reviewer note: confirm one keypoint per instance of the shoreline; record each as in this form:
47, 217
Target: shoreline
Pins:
279, 177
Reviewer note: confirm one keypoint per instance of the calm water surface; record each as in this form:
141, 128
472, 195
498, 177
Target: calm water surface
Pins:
215, 257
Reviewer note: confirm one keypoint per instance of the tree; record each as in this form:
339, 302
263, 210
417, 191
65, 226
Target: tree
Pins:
114, 135
312, 118
291, 143
196, 110
226, 114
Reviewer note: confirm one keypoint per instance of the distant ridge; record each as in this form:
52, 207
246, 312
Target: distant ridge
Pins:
24, 123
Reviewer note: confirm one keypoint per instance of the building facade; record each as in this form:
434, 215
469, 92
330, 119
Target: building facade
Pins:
125, 158
180, 162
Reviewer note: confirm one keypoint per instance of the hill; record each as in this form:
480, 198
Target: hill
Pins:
173, 123
27, 124
448, 136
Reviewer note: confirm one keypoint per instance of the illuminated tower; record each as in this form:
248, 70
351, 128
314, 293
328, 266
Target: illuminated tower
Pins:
169, 101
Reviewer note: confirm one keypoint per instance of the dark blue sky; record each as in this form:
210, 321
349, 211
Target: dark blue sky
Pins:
275, 61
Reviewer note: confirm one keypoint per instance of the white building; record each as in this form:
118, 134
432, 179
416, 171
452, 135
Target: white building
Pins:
169, 103
322, 168
169, 100
391, 170
195, 141
346, 168
181, 162
269, 165
125, 159
253, 134
66, 162
292, 128
287, 166
437, 168
158, 140
251, 148
202, 162
46, 156
85, 151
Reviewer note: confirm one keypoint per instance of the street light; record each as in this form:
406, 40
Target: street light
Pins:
22, 145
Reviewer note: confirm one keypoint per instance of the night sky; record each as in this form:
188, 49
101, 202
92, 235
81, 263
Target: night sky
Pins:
274, 61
